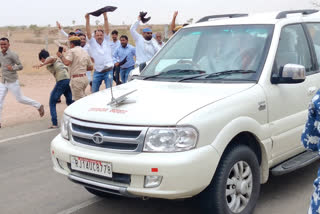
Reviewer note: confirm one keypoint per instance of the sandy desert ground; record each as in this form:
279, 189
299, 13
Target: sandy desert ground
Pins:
37, 84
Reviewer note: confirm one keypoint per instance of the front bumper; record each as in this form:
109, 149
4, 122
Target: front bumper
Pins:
185, 174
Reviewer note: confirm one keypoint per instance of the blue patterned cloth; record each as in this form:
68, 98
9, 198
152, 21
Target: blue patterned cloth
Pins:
310, 139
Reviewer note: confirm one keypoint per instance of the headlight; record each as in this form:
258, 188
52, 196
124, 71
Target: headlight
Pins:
65, 126
170, 139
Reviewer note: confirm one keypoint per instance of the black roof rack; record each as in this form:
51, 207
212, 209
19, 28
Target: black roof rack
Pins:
235, 15
284, 14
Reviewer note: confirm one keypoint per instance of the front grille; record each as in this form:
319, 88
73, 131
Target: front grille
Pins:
105, 145
107, 137
107, 132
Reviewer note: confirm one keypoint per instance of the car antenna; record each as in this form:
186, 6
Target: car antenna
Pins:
112, 97
123, 99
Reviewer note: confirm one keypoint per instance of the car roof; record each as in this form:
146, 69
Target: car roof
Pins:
259, 18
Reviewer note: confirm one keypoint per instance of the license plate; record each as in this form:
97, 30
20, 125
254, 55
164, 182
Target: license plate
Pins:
91, 166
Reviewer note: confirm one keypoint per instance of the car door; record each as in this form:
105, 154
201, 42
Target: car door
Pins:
287, 103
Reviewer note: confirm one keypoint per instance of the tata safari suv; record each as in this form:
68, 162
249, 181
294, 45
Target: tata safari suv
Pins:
220, 107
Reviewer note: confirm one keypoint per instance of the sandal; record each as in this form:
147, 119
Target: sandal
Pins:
41, 111
53, 127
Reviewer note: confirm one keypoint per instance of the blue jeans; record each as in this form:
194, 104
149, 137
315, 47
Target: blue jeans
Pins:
88, 73
98, 77
61, 87
124, 73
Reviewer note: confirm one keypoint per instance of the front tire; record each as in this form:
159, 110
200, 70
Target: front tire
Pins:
235, 187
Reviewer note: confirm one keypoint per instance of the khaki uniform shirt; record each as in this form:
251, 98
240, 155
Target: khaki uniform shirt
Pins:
58, 70
80, 60
10, 58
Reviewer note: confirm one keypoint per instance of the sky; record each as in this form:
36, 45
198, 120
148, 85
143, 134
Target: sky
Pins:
43, 13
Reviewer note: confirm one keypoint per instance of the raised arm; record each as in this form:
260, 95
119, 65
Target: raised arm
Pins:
106, 23
133, 29
173, 22
61, 30
48, 61
88, 28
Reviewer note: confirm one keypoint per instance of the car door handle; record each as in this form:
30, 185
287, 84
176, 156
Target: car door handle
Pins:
312, 90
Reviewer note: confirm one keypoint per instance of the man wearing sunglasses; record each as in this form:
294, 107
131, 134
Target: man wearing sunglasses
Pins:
146, 45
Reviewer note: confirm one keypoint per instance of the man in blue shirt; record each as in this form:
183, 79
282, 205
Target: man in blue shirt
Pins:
124, 57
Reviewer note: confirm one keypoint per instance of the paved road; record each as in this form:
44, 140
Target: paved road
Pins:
29, 185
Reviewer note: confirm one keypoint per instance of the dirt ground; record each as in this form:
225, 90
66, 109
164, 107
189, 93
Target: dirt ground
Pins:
35, 84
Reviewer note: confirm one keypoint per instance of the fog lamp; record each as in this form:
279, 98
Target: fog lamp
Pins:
152, 181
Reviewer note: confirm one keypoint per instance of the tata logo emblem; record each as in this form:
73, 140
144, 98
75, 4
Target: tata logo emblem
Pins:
97, 138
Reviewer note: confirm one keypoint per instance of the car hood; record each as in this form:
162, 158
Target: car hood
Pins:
153, 103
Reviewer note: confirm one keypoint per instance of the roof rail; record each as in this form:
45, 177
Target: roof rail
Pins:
284, 14
235, 15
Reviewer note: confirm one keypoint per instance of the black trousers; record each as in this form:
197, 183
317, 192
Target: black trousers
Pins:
141, 66
116, 74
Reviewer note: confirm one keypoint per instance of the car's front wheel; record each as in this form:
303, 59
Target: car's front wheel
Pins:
235, 187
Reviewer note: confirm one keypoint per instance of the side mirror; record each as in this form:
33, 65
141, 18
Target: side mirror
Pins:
134, 73
290, 74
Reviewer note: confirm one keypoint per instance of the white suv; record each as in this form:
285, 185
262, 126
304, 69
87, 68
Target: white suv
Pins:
221, 106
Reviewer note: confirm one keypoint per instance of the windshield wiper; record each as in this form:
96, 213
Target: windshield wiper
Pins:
178, 72
192, 77
230, 72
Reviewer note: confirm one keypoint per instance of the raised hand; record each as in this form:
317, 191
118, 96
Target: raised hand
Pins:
58, 25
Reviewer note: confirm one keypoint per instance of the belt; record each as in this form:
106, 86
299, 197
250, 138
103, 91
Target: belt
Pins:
78, 75
106, 69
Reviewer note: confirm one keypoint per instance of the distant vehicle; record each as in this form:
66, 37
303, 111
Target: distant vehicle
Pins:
221, 106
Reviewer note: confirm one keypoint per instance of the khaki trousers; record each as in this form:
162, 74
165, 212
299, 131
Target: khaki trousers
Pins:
78, 87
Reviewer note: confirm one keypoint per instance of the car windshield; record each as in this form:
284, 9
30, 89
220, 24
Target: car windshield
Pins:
227, 53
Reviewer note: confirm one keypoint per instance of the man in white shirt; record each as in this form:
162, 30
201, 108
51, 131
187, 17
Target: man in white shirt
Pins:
146, 46
63, 42
100, 51
160, 39
115, 44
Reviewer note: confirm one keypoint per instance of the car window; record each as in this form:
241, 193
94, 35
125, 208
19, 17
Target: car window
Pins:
293, 48
182, 51
314, 30
233, 53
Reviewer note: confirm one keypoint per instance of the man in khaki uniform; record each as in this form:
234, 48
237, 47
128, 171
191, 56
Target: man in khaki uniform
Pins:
79, 63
